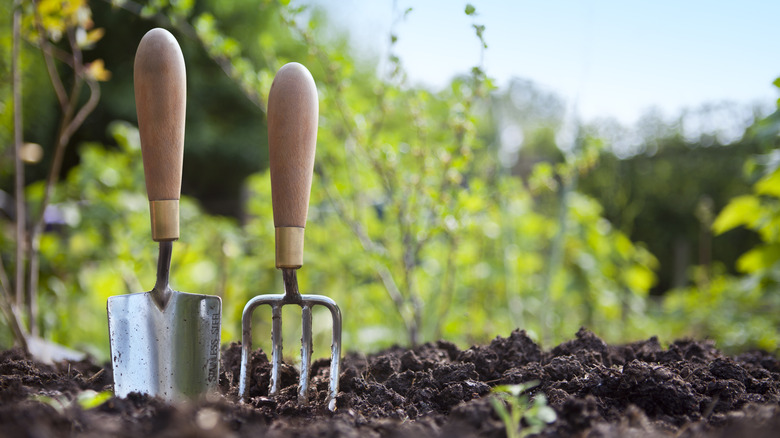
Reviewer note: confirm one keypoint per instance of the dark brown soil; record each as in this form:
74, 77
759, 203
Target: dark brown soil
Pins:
636, 390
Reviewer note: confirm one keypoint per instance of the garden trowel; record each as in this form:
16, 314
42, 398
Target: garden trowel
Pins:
163, 342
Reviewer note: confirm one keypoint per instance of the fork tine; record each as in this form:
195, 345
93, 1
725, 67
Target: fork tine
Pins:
246, 340
276, 344
335, 353
246, 351
306, 353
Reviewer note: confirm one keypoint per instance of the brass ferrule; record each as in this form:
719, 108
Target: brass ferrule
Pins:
289, 247
165, 219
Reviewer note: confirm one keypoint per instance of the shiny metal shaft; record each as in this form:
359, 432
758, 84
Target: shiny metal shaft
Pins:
276, 352
306, 353
335, 352
162, 289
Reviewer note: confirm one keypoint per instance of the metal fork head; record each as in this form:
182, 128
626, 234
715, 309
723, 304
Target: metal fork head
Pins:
306, 302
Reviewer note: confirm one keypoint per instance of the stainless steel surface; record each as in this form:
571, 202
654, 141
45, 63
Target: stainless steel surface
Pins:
291, 296
276, 354
162, 291
163, 342
307, 350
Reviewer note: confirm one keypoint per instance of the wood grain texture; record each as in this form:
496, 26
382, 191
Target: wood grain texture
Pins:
293, 108
160, 98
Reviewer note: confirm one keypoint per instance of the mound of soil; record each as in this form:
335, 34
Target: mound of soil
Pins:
640, 389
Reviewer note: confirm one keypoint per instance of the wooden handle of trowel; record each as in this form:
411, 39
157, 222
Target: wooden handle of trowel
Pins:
293, 109
160, 99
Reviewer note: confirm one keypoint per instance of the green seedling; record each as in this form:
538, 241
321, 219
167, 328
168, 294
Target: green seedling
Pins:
85, 400
513, 405
90, 399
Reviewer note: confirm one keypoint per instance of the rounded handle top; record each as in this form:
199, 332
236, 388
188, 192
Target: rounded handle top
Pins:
160, 97
293, 108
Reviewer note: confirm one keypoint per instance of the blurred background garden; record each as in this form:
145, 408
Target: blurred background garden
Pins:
459, 210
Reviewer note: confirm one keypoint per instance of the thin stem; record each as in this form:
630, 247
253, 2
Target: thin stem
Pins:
393, 292
370, 246
10, 312
447, 290
84, 111
6, 298
21, 213
223, 275
557, 250
56, 81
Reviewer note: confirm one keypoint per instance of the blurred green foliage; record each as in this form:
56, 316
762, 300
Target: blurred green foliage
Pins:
666, 197
420, 225
744, 308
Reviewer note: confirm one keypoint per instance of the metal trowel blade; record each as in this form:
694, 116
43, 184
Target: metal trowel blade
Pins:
172, 352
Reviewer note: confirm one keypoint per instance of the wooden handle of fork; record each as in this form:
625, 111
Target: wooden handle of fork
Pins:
293, 109
160, 97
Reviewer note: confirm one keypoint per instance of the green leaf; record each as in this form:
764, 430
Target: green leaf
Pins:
91, 399
55, 403
776, 83
769, 185
742, 210
515, 390
470, 10
639, 278
546, 414
759, 258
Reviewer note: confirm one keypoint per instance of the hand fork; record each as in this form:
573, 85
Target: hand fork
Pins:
292, 136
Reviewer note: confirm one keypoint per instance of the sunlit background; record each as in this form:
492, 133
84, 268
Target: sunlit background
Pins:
480, 167
611, 59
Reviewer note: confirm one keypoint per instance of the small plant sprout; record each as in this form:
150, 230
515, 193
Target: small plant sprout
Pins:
513, 405
86, 400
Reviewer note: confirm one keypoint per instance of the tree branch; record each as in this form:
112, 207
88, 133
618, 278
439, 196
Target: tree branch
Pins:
85, 110
68, 126
6, 298
20, 201
56, 81
224, 62
395, 294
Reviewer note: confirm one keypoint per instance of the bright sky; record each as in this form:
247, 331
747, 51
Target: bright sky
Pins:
617, 58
